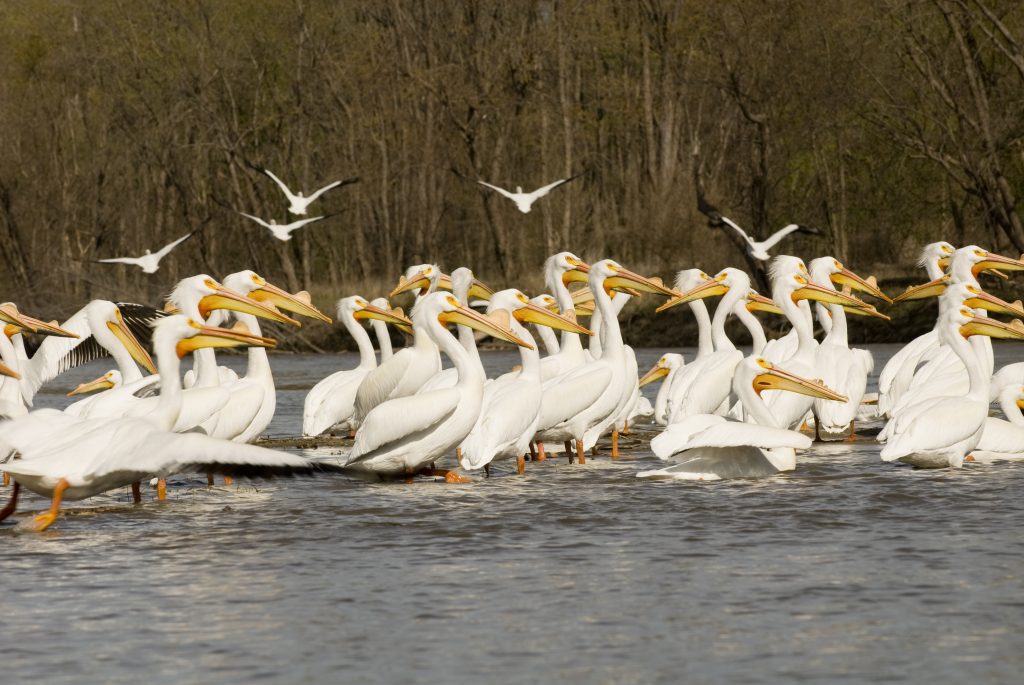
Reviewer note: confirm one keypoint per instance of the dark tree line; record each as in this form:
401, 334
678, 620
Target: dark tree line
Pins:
127, 123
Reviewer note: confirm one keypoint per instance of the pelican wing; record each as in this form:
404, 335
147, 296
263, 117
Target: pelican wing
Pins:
379, 383
170, 246
504, 192
567, 395
55, 355
402, 419
332, 186
280, 183
134, 261
544, 190
773, 240
738, 434
123, 450
258, 220
732, 224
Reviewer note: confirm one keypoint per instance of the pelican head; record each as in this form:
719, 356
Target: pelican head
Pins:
445, 309
188, 335
937, 254
764, 375
197, 296
524, 310
425, 277
610, 275
254, 286
662, 368
724, 281
832, 269
465, 286
967, 324
564, 266
101, 315
361, 310
111, 379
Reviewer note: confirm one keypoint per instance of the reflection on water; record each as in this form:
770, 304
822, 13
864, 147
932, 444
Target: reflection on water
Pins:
847, 569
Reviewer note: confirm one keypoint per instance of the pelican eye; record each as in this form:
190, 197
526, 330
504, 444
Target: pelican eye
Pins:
966, 312
972, 289
193, 324
523, 298
452, 301
800, 279
764, 363
980, 253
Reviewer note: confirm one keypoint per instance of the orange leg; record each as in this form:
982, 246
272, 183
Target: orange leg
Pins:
521, 464
161, 489
581, 454
7, 479
625, 428
540, 452
458, 455
615, 444
44, 521
13, 504
450, 475
228, 480
136, 492
853, 432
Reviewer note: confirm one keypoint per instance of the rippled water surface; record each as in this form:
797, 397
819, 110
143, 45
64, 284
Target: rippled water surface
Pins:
846, 570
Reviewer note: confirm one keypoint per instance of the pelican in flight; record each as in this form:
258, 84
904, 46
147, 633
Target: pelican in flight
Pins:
711, 447
938, 432
400, 436
69, 457
150, 261
524, 201
283, 232
300, 202
758, 249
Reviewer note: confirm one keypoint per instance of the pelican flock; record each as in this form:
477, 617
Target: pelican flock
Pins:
741, 407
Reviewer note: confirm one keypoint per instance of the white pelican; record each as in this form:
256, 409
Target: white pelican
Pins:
898, 372
939, 432
840, 367
410, 367
283, 232
524, 201
298, 203
148, 262
559, 270
380, 328
331, 402
758, 249
686, 280
197, 297
1003, 439
711, 375
253, 397
511, 403
68, 457
402, 435
790, 287
583, 402
97, 329
942, 369
466, 289
665, 368
711, 447
547, 335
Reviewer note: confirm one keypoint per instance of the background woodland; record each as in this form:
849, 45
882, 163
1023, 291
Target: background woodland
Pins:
127, 123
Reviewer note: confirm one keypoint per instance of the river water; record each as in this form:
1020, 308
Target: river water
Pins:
845, 570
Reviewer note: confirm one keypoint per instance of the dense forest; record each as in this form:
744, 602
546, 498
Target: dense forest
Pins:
128, 123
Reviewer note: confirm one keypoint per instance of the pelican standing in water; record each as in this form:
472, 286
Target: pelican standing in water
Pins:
69, 458
664, 369
402, 435
332, 401
939, 432
711, 447
511, 403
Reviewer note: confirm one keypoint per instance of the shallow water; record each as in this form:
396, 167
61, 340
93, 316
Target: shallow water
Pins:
846, 570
